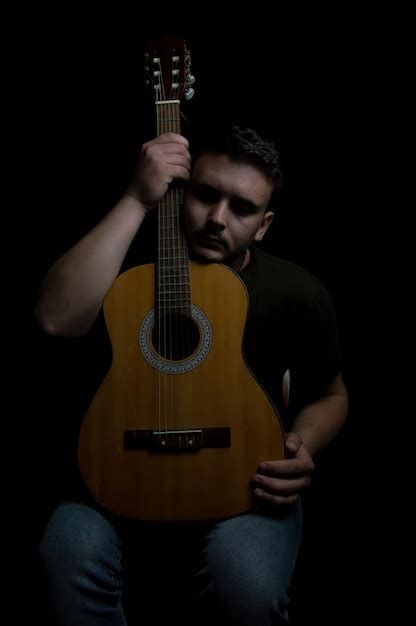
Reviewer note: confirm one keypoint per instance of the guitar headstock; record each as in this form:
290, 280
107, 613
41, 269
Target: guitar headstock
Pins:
168, 70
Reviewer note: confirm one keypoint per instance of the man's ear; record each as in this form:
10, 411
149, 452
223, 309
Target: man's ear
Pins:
266, 221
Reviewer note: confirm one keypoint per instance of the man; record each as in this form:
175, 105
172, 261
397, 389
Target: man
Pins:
290, 344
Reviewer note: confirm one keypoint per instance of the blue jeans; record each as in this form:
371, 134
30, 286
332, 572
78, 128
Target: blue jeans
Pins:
241, 576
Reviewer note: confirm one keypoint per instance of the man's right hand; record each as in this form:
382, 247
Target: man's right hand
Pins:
160, 162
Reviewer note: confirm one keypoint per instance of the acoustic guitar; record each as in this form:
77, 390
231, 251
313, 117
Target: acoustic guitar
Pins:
179, 424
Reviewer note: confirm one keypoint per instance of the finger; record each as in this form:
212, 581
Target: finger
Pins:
171, 148
178, 159
283, 487
171, 138
266, 498
287, 467
293, 441
160, 153
178, 171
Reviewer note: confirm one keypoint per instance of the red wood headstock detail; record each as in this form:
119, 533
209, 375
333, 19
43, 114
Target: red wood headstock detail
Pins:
168, 70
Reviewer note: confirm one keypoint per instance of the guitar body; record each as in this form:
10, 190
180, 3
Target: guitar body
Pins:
151, 398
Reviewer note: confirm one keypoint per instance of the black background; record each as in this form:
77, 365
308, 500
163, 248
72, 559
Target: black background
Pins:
312, 82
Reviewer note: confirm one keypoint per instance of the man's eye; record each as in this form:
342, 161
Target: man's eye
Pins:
206, 195
242, 210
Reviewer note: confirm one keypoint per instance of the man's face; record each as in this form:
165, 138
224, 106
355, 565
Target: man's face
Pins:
224, 207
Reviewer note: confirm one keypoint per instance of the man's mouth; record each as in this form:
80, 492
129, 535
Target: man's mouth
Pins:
209, 240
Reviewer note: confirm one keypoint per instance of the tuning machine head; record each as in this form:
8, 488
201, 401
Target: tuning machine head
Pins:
189, 78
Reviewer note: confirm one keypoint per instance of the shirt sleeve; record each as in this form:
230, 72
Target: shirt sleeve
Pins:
318, 353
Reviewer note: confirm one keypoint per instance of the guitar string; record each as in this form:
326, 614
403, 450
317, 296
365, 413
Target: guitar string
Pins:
171, 263
182, 288
167, 311
178, 278
158, 311
178, 264
168, 378
161, 294
167, 279
185, 279
176, 197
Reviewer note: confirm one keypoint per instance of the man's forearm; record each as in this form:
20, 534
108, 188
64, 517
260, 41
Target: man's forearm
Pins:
319, 422
74, 288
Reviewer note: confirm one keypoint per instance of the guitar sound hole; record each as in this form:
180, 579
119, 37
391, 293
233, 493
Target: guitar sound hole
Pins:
175, 336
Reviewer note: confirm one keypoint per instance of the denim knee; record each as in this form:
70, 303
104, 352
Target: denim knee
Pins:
78, 541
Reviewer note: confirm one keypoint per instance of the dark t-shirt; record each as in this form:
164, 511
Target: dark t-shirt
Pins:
291, 326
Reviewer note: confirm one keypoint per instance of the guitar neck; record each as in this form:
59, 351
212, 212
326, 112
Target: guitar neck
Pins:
168, 117
173, 286
168, 74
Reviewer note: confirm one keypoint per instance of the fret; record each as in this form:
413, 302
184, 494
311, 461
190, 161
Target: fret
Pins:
177, 254
171, 307
174, 286
174, 269
168, 237
179, 274
179, 292
184, 299
168, 266
168, 102
174, 237
174, 283
181, 288
174, 301
178, 279
175, 250
171, 246
165, 238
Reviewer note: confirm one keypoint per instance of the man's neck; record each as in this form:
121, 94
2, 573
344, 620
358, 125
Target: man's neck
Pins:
241, 262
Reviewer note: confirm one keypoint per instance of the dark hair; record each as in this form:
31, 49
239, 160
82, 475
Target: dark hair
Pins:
244, 145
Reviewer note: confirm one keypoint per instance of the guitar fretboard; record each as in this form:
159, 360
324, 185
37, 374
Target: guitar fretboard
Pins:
173, 290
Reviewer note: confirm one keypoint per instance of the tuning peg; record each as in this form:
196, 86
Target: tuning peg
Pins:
190, 79
189, 93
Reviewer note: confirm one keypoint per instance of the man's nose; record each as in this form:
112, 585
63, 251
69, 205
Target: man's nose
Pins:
218, 214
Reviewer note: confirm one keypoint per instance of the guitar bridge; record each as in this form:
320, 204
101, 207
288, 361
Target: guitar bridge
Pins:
186, 440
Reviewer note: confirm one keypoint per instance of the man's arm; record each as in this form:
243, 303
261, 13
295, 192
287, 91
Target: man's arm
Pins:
315, 426
73, 289
319, 422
